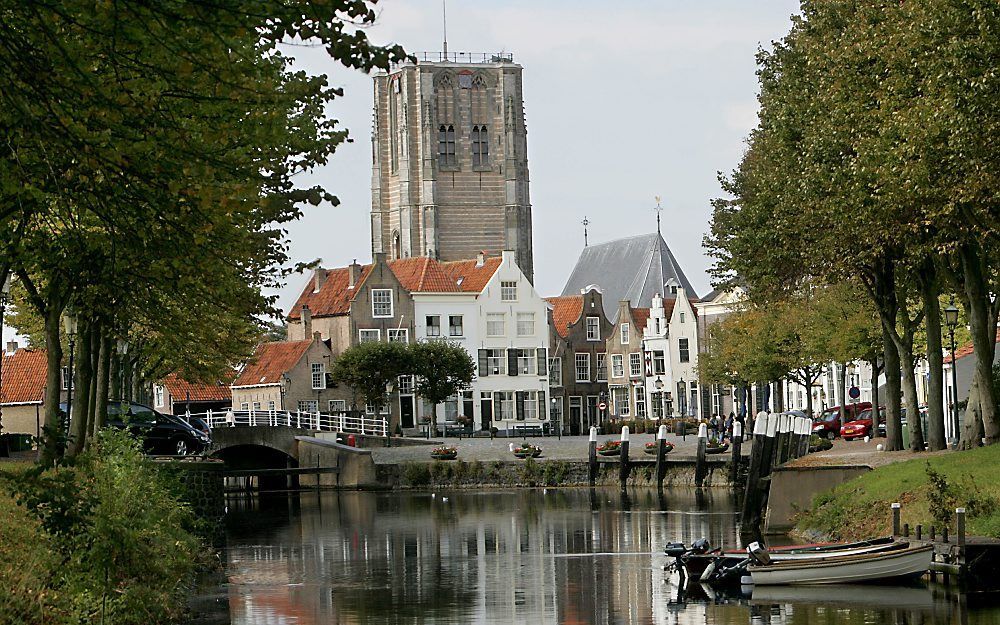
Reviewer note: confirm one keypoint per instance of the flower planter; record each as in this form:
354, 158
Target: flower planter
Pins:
444, 454
717, 449
528, 453
610, 452
650, 448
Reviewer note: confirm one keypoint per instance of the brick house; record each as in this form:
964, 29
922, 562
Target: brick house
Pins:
578, 373
22, 391
175, 395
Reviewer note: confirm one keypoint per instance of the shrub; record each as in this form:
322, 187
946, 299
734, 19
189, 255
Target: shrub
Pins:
416, 474
529, 472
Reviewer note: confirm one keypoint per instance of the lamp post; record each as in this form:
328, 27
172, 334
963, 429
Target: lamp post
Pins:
558, 423
69, 324
951, 320
658, 384
4, 295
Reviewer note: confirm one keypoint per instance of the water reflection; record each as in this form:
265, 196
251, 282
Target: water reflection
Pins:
526, 556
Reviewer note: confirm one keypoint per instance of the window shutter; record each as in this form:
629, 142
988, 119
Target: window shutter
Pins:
519, 395
543, 362
483, 368
511, 361
543, 409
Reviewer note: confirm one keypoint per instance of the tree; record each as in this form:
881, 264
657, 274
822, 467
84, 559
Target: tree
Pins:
442, 369
372, 369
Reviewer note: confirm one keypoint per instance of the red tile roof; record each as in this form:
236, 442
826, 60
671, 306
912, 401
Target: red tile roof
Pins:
334, 298
566, 311
641, 316
469, 275
23, 377
422, 274
182, 391
270, 360
965, 350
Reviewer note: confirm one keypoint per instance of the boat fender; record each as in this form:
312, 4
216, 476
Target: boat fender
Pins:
706, 575
758, 553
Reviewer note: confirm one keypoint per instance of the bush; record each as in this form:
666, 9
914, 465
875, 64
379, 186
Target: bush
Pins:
416, 474
123, 537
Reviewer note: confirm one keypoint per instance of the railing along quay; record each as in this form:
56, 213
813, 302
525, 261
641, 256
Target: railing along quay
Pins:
318, 421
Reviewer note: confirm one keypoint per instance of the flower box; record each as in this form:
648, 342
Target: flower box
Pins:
444, 453
610, 448
718, 448
527, 451
650, 448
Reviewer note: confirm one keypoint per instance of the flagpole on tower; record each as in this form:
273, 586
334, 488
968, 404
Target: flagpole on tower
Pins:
658, 210
444, 22
585, 222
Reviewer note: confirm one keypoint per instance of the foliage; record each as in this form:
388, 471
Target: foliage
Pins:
416, 474
371, 369
529, 472
442, 369
819, 443
122, 537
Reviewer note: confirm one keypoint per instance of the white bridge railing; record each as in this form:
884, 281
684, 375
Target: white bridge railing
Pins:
341, 422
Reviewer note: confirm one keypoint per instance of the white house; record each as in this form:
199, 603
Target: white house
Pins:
683, 336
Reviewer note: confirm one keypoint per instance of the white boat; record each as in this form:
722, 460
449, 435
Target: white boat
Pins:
845, 569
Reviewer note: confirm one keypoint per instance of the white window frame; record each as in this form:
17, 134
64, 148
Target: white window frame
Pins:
635, 365
496, 362
602, 367
405, 384
526, 324
530, 405
428, 325
393, 335
640, 402
508, 291
593, 328
336, 406
503, 406
377, 294
555, 371
494, 318
617, 365
623, 337
317, 371
527, 363
158, 396
659, 362
623, 408
244, 407
452, 326
581, 358
369, 332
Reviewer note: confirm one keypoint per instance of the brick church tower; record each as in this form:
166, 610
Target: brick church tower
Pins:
450, 159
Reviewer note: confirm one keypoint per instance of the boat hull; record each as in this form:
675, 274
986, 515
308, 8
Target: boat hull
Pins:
695, 564
898, 564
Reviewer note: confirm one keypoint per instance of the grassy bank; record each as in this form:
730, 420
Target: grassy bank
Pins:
105, 540
928, 489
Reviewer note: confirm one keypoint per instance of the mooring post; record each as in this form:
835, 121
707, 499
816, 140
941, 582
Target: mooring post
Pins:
661, 452
960, 529
906, 530
592, 455
895, 519
781, 441
701, 466
623, 458
805, 427
933, 533
751, 491
737, 443
920, 531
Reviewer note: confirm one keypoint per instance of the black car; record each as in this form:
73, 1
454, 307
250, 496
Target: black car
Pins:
161, 434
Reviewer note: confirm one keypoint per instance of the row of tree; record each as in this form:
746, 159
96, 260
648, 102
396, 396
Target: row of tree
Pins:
874, 164
149, 160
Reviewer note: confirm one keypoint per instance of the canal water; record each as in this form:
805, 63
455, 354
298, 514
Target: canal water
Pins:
522, 556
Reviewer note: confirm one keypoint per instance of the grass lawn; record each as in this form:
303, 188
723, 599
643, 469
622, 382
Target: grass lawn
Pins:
860, 508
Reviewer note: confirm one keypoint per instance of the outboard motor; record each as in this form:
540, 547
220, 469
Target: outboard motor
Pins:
675, 550
758, 553
700, 546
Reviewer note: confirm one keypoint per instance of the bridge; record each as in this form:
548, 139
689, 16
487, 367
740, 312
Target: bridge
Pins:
276, 450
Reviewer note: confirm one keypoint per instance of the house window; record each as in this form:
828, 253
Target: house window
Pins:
318, 371
245, 407
256, 406
682, 350
446, 146
525, 324
270, 405
555, 371
635, 364
624, 334
593, 328
158, 395
433, 325
496, 362
369, 336
659, 363
480, 146
508, 291
304, 405
370, 409
503, 404
526, 360
602, 367
530, 404
620, 396
495, 324
640, 402
617, 365
455, 326
583, 367
405, 384
398, 335
656, 404
381, 302
682, 317
337, 406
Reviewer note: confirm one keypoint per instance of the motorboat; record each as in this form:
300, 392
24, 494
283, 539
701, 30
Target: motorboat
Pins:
839, 568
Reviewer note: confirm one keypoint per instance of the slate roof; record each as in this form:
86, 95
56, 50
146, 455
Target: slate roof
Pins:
566, 311
964, 350
633, 268
23, 377
270, 360
182, 391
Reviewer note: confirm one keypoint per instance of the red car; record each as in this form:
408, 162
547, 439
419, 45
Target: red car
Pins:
827, 424
862, 425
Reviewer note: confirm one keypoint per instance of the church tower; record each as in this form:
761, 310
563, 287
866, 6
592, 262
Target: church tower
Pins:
450, 159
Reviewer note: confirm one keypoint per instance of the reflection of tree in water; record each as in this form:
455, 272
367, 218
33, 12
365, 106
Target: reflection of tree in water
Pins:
440, 596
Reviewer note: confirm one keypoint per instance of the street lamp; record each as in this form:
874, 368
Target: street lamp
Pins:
558, 423
658, 384
951, 320
122, 345
69, 324
4, 296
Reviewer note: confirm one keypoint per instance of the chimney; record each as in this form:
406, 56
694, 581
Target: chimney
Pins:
353, 273
481, 259
11, 347
319, 278
379, 258
307, 321
317, 336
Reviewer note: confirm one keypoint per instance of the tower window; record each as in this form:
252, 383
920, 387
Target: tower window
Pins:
480, 145
446, 146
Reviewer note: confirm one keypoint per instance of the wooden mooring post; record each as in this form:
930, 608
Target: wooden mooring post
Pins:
661, 453
701, 464
761, 459
623, 459
592, 456
737, 442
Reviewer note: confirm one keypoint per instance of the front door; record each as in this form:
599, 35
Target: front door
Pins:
406, 411
575, 415
593, 417
486, 410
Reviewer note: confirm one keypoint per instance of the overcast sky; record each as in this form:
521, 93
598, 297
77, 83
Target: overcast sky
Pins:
624, 101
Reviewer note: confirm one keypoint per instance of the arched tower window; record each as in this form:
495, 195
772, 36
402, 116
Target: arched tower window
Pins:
445, 100
479, 113
396, 244
480, 145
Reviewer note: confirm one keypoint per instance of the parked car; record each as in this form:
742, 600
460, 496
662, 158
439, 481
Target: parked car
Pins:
828, 423
902, 419
861, 426
161, 434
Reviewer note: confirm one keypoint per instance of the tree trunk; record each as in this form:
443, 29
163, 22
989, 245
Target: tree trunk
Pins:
910, 394
82, 378
104, 375
875, 403
972, 422
53, 438
935, 359
893, 428
983, 336
809, 395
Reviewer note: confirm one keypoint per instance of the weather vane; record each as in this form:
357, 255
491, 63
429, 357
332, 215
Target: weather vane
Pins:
585, 222
658, 210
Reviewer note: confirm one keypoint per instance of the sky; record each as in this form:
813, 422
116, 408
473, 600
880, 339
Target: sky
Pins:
624, 101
